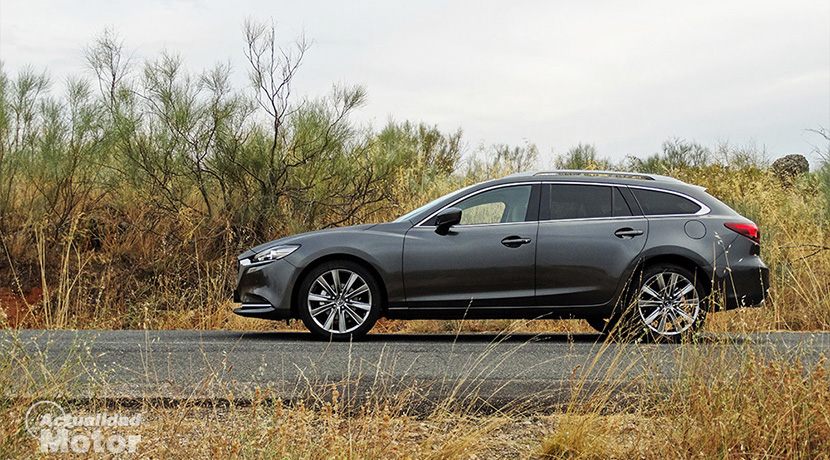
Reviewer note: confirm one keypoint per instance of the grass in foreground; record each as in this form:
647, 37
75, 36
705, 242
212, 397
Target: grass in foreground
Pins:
722, 400
722, 404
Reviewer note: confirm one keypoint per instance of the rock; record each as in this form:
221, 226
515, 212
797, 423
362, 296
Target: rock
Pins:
787, 168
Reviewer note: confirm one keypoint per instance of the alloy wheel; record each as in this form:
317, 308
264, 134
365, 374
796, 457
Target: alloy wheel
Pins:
339, 301
669, 303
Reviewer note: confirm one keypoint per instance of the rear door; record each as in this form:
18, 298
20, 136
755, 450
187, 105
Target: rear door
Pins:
588, 238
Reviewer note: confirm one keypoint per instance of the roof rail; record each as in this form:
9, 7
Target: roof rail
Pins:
587, 172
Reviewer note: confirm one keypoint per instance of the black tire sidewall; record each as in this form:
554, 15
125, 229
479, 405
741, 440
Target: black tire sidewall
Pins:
600, 324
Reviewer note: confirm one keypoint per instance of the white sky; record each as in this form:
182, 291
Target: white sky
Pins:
624, 76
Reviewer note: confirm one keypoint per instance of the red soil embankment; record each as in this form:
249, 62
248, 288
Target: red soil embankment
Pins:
15, 307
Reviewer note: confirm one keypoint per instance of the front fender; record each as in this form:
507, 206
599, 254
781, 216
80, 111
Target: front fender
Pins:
380, 246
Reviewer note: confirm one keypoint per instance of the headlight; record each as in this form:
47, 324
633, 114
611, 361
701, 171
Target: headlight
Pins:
275, 252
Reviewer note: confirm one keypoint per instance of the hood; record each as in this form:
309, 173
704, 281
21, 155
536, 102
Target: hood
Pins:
298, 239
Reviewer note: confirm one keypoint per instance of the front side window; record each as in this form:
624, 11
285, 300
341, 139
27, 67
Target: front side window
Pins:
500, 205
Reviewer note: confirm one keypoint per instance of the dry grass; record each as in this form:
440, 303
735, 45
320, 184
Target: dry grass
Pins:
297, 432
727, 400
27, 377
136, 268
795, 242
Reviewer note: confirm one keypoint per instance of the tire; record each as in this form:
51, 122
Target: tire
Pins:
339, 300
600, 324
668, 304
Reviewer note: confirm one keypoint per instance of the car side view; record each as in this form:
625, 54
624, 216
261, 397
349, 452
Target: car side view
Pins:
646, 251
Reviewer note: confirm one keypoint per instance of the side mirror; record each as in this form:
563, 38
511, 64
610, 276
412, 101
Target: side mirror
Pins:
446, 219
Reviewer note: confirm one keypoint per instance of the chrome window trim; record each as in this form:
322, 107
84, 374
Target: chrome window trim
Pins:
493, 187
704, 210
489, 225
577, 219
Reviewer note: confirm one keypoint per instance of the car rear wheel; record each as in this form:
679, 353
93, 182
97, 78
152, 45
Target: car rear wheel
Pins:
601, 325
669, 302
339, 300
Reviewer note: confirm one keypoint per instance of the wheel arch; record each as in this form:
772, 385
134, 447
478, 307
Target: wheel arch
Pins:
295, 291
680, 260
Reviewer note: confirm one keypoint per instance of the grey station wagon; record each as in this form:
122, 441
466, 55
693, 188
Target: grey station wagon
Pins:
614, 248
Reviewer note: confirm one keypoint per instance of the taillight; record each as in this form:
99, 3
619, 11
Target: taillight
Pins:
750, 231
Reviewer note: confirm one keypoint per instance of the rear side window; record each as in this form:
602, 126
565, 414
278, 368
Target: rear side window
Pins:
584, 202
580, 201
656, 203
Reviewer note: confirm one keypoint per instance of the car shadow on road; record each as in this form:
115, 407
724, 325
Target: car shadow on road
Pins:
300, 336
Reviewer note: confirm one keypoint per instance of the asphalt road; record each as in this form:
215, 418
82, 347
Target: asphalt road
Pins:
485, 370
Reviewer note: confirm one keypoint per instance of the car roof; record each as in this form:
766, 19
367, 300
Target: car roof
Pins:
597, 173
616, 177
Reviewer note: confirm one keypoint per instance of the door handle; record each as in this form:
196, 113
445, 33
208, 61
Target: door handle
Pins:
628, 232
514, 241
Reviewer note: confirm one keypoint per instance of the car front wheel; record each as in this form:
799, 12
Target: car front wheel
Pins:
339, 300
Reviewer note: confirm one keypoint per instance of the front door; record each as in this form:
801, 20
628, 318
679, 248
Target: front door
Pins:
487, 260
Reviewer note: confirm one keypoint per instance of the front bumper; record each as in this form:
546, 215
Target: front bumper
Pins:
263, 311
264, 289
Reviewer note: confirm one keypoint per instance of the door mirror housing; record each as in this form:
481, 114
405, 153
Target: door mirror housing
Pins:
446, 219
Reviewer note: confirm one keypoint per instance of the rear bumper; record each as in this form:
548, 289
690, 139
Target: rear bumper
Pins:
744, 284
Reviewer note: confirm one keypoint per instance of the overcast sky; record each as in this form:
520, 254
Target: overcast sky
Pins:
624, 76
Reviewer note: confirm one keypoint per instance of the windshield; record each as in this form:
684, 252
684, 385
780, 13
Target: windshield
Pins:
419, 210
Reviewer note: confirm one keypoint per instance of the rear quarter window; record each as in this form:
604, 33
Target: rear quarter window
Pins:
655, 203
